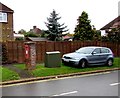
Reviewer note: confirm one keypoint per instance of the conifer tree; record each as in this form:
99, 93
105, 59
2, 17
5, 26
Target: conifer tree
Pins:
83, 30
55, 29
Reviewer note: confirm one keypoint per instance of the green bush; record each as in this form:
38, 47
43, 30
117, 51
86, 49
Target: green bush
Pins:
4, 54
30, 34
19, 39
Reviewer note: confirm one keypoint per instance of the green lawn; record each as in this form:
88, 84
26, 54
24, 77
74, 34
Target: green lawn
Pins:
8, 74
41, 71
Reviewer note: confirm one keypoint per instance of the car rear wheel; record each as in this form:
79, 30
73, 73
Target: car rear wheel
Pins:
110, 62
83, 63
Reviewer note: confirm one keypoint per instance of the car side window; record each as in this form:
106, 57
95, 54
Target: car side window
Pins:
103, 50
97, 51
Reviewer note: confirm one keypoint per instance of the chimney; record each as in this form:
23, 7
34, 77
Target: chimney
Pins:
34, 27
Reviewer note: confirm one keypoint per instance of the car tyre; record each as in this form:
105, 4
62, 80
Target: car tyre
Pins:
83, 63
110, 62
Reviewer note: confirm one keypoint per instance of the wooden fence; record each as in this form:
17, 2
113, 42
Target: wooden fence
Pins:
15, 50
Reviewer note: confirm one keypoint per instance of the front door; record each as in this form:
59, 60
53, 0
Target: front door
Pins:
95, 58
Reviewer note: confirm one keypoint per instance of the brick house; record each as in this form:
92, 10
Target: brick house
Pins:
113, 24
6, 23
36, 30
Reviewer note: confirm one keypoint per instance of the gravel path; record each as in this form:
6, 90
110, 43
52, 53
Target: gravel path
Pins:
22, 73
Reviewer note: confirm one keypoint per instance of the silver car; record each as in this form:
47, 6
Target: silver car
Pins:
91, 55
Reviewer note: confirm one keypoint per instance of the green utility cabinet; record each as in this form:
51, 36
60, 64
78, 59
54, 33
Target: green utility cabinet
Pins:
52, 59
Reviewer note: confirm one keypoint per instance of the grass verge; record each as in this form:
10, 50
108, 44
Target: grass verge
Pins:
8, 74
41, 71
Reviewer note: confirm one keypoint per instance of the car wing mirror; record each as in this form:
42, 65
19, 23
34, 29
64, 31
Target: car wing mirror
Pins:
93, 53
76, 50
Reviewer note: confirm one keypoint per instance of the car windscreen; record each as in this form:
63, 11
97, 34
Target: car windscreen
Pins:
85, 50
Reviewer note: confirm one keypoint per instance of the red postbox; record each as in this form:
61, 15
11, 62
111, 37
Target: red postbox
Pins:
30, 55
27, 49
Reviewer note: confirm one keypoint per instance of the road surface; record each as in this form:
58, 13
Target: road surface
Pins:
100, 84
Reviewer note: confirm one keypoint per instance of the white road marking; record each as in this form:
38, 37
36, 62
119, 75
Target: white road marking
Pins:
67, 93
113, 84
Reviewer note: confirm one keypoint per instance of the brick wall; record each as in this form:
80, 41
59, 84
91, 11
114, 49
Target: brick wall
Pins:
6, 29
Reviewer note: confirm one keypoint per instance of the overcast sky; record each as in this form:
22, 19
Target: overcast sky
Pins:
28, 13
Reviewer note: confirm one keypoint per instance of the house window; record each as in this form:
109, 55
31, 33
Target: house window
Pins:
3, 17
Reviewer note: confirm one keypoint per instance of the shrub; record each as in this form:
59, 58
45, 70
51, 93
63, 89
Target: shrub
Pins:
30, 34
4, 54
19, 39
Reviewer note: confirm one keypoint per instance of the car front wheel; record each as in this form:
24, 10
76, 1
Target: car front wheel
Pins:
83, 63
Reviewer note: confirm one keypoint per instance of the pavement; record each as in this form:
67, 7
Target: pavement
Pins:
27, 77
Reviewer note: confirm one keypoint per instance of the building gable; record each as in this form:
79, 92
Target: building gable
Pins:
4, 8
112, 24
6, 23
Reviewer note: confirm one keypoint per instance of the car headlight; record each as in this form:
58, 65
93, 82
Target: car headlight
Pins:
63, 56
76, 58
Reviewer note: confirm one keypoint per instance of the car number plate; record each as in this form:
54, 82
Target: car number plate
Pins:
66, 60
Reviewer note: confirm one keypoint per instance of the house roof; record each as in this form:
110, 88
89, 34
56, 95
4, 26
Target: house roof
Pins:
36, 39
66, 37
114, 23
36, 30
4, 8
